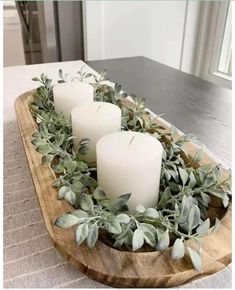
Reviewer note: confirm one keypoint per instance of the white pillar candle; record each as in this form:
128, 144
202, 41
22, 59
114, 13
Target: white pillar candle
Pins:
130, 162
69, 95
93, 121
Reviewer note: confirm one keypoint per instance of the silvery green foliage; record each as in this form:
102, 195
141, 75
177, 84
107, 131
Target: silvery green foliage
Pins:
185, 192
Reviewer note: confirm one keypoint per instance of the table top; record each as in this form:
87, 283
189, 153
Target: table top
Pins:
29, 257
191, 104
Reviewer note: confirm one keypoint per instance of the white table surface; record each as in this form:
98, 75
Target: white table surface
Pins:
30, 261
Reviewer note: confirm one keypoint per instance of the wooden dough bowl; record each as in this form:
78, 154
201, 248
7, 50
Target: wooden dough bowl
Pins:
106, 264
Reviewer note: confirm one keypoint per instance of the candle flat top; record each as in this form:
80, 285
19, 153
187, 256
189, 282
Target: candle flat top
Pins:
73, 88
96, 112
128, 144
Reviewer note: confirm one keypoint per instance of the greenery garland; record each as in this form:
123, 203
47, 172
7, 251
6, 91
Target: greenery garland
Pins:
185, 191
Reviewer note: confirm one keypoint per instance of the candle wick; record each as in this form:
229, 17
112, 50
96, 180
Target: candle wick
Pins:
132, 139
99, 108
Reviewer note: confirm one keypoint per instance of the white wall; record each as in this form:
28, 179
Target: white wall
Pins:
154, 29
165, 22
124, 28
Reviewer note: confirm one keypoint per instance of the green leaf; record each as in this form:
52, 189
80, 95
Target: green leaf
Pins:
92, 236
88, 75
196, 259
165, 196
216, 172
148, 227
123, 218
62, 191
99, 194
205, 198
151, 213
183, 175
46, 159
225, 200
79, 213
118, 203
216, 225
58, 168
178, 250
70, 197
167, 175
193, 217
174, 174
203, 228
82, 166
48, 83
81, 233
60, 73
150, 239
222, 195
174, 186
78, 187
149, 233
71, 166
36, 79
173, 131
137, 240
66, 221
117, 88
43, 130
86, 202
164, 241
186, 204
43, 149
43, 76
56, 183
52, 128
192, 180
36, 135
38, 142
113, 226
209, 181
59, 139
164, 155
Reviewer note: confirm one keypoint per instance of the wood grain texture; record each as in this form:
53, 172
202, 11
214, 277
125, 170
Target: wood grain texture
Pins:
106, 264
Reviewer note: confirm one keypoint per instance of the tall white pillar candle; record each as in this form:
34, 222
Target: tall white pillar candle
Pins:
94, 121
130, 162
69, 95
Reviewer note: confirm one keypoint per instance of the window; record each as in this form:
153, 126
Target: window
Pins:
214, 62
225, 61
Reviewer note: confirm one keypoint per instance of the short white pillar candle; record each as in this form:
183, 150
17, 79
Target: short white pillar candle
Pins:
93, 121
130, 162
69, 95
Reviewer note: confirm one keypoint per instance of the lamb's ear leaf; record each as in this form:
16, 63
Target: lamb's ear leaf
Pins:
203, 228
92, 236
66, 221
137, 240
81, 233
178, 249
196, 259
164, 241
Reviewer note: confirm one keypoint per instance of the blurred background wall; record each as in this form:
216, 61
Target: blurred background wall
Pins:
191, 36
164, 31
